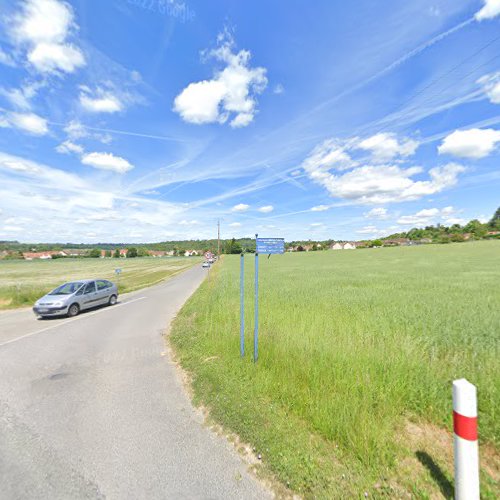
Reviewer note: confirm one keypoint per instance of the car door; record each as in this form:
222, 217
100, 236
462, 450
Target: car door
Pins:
89, 295
103, 291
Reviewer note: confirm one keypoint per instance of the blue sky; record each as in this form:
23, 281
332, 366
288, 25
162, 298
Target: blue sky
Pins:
149, 120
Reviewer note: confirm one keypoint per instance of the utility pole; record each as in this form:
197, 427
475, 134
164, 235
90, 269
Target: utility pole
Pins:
218, 238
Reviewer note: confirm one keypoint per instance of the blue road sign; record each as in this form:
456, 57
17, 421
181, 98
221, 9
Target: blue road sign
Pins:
118, 271
270, 245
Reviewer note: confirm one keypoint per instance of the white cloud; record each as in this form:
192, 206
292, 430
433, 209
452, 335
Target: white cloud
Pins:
107, 161
75, 130
278, 89
491, 85
386, 146
330, 154
317, 224
50, 57
231, 92
382, 183
266, 209
6, 59
101, 102
474, 143
490, 10
28, 122
69, 147
430, 216
241, 207
17, 97
235, 224
377, 213
320, 208
43, 27
372, 231
188, 223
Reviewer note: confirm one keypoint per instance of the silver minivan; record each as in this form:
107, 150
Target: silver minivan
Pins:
71, 298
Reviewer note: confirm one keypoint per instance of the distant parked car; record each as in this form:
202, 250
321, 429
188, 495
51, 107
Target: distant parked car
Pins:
205, 264
71, 298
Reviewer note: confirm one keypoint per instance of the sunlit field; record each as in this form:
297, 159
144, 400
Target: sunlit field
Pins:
23, 282
358, 349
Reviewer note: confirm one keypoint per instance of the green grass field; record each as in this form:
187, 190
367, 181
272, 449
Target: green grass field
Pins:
23, 282
358, 349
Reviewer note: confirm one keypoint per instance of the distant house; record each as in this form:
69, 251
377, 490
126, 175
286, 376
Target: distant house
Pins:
398, 242
493, 233
467, 236
190, 253
425, 241
123, 252
350, 245
43, 255
157, 253
170, 252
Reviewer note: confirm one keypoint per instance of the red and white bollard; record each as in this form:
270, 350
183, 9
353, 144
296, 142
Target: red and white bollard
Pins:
465, 442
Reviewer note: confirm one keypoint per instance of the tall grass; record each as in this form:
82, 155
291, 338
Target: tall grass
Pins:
23, 282
351, 345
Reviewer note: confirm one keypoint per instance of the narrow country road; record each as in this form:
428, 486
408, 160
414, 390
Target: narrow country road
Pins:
92, 407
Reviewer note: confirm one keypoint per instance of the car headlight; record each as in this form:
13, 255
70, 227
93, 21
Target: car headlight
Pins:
58, 303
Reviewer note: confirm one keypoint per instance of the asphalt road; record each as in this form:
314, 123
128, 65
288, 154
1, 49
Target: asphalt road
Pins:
92, 407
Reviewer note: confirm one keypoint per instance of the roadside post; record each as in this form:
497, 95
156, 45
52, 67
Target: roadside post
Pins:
465, 440
118, 271
242, 304
267, 246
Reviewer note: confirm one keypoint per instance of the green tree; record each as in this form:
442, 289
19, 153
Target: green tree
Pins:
142, 252
116, 254
131, 253
232, 247
108, 253
95, 253
476, 228
495, 221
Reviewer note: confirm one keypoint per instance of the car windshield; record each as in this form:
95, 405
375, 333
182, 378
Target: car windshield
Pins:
67, 288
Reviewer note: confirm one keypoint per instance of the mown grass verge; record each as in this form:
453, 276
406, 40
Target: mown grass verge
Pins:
358, 349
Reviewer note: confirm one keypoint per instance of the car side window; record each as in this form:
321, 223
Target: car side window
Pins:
90, 287
101, 285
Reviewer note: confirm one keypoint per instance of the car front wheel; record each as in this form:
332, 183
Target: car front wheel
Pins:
73, 310
112, 300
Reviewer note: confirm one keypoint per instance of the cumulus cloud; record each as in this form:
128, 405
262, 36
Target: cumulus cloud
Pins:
429, 216
266, 209
101, 101
6, 59
43, 27
320, 208
474, 143
372, 231
107, 161
490, 10
377, 213
330, 154
241, 207
231, 93
27, 122
383, 183
68, 147
491, 85
386, 146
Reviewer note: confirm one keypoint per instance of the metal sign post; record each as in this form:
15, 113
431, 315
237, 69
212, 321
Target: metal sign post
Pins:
267, 246
256, 328
242, 304
118, 272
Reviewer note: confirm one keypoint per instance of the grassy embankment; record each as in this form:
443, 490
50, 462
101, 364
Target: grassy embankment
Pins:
23, 282
352, 390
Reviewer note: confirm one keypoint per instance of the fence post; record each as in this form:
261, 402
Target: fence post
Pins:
465, 440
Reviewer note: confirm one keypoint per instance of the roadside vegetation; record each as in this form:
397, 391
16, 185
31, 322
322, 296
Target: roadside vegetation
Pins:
23, 282
352, 390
